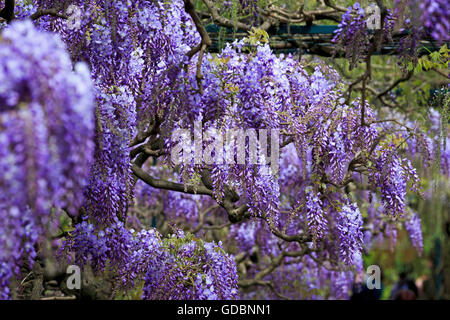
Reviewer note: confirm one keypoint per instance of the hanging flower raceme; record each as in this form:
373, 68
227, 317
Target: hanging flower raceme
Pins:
414, 227
436, 18
353, 33
317, 223
350, 232
190, 268
46, 137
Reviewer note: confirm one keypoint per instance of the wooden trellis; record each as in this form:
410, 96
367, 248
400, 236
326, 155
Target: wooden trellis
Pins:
314, 39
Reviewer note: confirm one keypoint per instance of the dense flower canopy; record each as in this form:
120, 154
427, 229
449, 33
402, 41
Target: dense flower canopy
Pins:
46, 139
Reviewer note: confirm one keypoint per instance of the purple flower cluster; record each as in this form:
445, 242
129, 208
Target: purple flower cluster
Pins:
352, 33
317, 223
440, 144
109, 190
422, 19
192, 269
350, 232
306, 279
414, 228
244, 235
178, 267
391, 178
46, 133
98, 246
341, 283
436, 17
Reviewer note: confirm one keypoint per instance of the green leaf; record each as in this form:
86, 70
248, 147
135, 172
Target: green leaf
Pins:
435, 56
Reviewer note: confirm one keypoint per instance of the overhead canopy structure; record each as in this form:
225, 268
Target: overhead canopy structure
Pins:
314, 39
